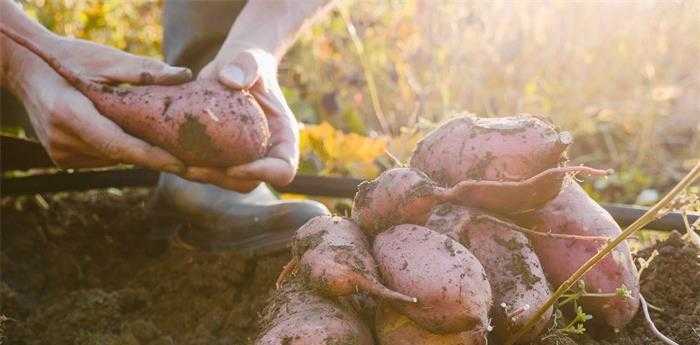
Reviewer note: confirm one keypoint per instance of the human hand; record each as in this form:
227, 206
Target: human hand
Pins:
72, 131
256, 71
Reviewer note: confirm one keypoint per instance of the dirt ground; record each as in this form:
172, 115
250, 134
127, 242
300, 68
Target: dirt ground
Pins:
77, 269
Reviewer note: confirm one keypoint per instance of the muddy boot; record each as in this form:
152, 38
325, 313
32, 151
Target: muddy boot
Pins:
207, 217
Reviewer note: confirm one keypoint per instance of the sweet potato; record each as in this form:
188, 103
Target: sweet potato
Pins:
573, 212
449, 282
297, 316
334, 258
397, 196
517, 280
513, 197
507, 164
406, 196
392, 328
498, 148
200, 122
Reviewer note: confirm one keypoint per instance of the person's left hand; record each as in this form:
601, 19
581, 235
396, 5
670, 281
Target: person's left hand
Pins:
256, 71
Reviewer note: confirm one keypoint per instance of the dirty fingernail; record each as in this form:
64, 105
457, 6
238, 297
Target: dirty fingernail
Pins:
177, 74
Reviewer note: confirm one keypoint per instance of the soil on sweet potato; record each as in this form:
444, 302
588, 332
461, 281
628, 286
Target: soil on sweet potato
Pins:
77, 269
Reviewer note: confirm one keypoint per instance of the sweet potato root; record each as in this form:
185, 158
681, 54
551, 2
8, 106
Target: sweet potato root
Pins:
513, 269
449, 282
200, 122
297, 316
334, 258
574, 212
392, 328
397, 196
506, 164
406, 196
513, 197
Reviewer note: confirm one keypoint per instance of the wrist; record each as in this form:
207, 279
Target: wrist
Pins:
267, 63
239, 42
233, 46
21, 65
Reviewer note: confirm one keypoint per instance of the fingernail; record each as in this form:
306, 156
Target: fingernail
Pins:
234, 74
174, 169
178, 74
183, 71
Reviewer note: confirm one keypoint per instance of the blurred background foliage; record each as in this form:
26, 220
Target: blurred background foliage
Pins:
374, 75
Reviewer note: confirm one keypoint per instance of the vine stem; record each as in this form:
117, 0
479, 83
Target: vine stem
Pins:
638, 224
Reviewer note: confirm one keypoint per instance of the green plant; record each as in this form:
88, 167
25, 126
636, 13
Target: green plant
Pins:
576, 325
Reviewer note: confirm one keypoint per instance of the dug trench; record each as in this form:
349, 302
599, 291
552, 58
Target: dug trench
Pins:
77, 269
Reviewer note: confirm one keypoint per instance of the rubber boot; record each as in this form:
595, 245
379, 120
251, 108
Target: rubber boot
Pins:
210, 218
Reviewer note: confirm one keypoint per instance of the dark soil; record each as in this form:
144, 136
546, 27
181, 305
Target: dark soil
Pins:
77, 269
672, 282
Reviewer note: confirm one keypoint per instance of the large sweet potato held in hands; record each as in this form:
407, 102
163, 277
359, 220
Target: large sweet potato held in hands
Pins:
449, 282
334, 258
505, 164
573, 212
513, 269
392, 328
200, 122
297, 316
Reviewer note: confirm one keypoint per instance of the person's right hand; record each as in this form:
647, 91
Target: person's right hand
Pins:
72, 131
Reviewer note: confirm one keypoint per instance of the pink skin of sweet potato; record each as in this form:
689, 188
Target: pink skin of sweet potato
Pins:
334, 258
505, 151
392, 328
496, 149
406, 196
298, 316
517, 280
449, 282
200, 122
574, 212
397, 196
513, 197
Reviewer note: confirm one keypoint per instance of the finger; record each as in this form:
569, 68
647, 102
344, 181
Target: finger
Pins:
143, 71
76, 154
219, 178
270, 97
79, 161
272, 104
285, 139
112, 143
273, 170
242, 72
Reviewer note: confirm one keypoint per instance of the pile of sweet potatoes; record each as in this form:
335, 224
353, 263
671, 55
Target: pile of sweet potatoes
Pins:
462, 246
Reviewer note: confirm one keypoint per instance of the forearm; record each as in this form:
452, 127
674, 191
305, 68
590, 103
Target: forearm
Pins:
272, 25
17, 61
